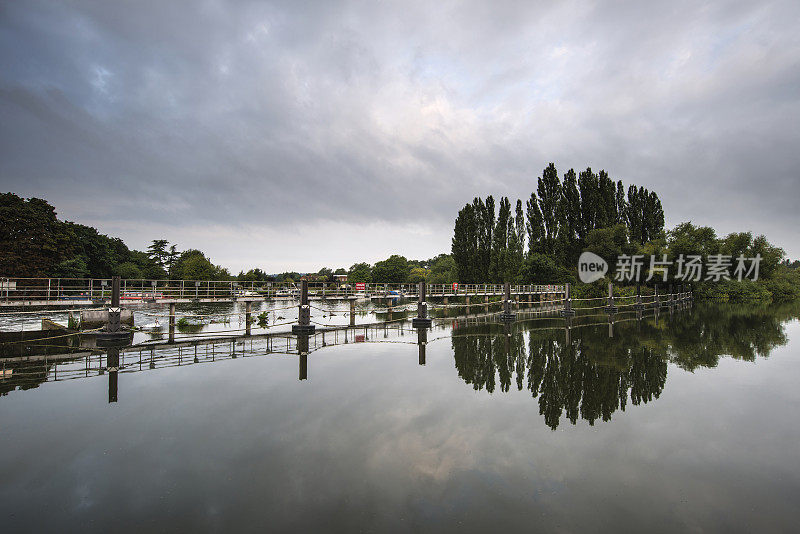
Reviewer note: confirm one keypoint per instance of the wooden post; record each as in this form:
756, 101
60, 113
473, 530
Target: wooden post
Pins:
507, 315
302, 353
611, 309
172, 323
303, 325
567, 312
422, 341
248, 306
421, 320
352, 311
112, 365
113, 321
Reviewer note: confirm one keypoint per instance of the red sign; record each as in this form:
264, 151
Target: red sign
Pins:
455, 286
361, 286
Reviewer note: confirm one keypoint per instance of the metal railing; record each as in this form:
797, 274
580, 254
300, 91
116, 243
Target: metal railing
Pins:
59, 291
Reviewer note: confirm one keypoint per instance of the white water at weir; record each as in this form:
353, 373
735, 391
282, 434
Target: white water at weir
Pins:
152, 319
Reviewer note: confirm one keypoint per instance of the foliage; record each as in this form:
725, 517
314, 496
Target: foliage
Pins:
129, 270
194, 265
418, 274
32, 239
558, 220
443, 270
359, 272
539, 269
393, 270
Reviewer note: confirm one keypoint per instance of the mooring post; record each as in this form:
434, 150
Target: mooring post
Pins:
352, 311
302, 355
112, 364
303, 325
114, 312
639, 307
507, 315
656, 300
172, 322
567, 312
421, 320
466, 301
611, 309
248, 308
422, 341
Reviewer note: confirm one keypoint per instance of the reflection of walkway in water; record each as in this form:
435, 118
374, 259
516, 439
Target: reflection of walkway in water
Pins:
29, 371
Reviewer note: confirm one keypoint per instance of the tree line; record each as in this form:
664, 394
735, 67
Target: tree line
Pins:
35, 243
547, 234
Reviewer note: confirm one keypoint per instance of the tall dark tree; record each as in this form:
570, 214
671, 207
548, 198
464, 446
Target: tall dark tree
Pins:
621, 204
465, 244
588, 186
549, 193
607, 209
570, 208
500, 240
535, 225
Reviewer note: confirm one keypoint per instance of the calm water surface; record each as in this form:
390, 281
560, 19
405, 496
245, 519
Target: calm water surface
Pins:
690, 423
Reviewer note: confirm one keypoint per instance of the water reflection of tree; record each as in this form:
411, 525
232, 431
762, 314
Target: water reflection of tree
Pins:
596, 375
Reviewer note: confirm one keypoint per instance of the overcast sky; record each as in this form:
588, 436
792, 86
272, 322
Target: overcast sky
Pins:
308, 134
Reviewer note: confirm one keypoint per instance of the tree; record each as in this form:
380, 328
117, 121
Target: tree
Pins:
570, 215
171, 258
589, 187
393, 270
129, 270
607, 207
443, 270
486, 218
194, 265
622, 206
32, 240
539, 269
74, 267
500, 241
535, 225
417, 274
609, 243
464, 246
359, 272
158, 252
549, 193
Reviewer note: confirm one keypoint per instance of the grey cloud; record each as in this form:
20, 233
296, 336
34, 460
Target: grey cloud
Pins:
240, 113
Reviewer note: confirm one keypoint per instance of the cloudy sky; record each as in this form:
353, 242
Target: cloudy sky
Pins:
309, 134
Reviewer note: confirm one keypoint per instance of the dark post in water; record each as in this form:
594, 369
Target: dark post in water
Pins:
303, 325
421, 320
422, 340
507, 315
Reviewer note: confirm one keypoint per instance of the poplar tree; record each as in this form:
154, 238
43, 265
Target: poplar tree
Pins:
621, 204
570, 216
588, 187
549, 192
464, 244
500, 240
535, 225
